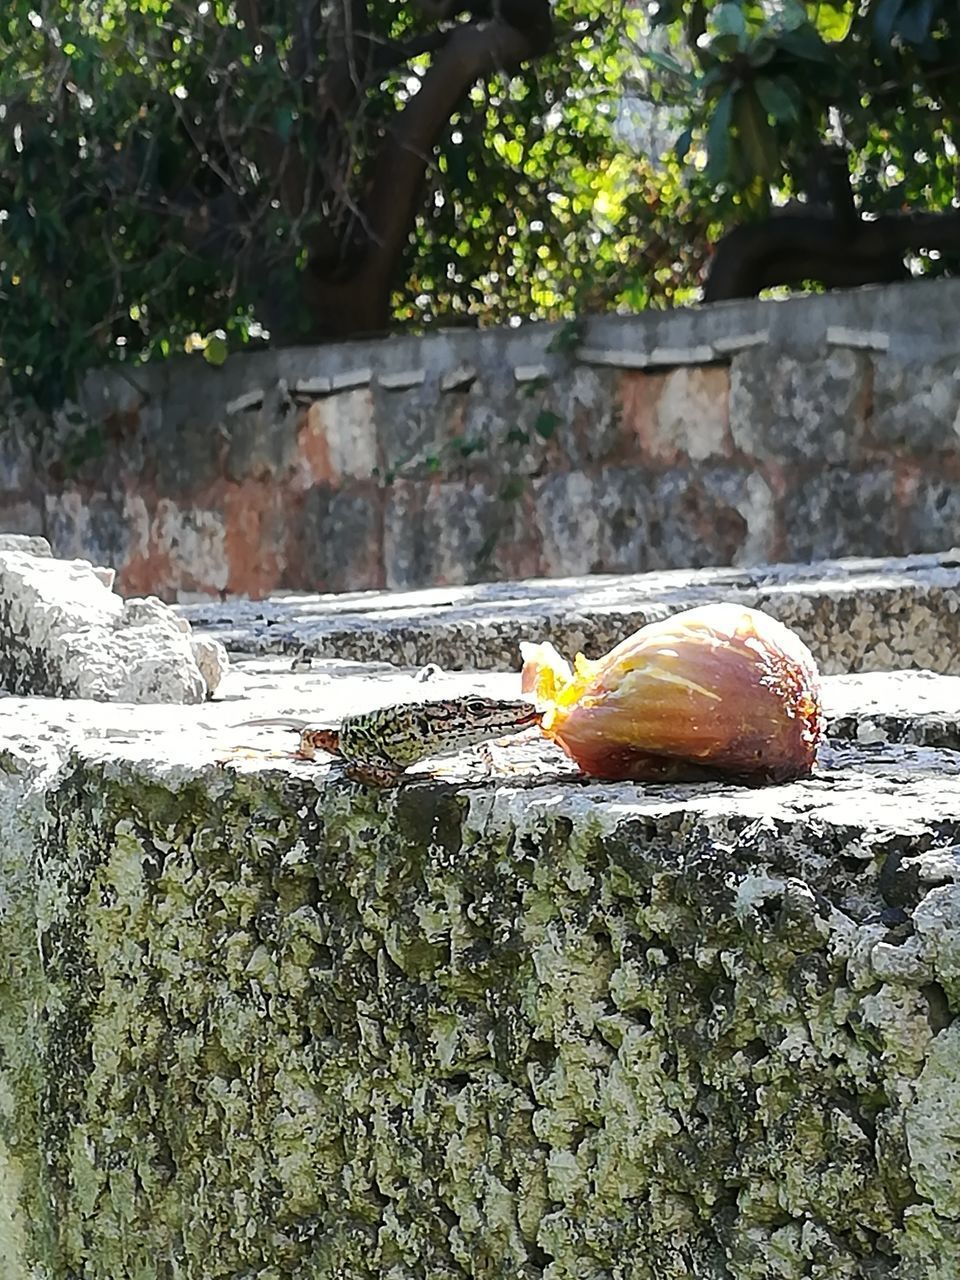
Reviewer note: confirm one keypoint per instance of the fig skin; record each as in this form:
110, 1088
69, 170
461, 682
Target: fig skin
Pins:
720, 691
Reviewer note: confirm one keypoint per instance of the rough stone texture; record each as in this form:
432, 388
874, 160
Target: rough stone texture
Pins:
798, 410
64, 633
917, 405
854, 511
733, 434
856, 615
260, 1022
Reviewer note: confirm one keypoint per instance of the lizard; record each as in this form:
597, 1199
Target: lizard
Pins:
379, 746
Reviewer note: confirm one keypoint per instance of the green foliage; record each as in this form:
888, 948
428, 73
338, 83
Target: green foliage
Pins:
177, 174
170, 178
762, 85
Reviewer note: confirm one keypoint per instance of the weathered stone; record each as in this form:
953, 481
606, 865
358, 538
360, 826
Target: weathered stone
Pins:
692, 414
799, 411
64, 633
449, 532
95, 526
182, 473
418, 440
931, 513
336, 538
617, 358
262, 442
242, 404
338, 439
22, 515
703, 353
351, 378
29, 545
402, 379
569, 520
865, 339
916, 407
212, 661
458, 379
830, 507
17, 441
188, 547
856, 615
589, 427
694, 519
262, 1021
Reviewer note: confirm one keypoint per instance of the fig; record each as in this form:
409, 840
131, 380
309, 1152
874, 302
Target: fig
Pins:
716, 691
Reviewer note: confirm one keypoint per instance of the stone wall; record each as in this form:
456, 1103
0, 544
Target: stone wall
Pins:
259, 1022
733, 434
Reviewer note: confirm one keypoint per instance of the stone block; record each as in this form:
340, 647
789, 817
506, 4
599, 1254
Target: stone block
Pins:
88, 526
456, 532
856, 615
261, 442
696, 518
692, 415
173, 549
257, 518
931, 513
63, 633
335, 543
337, 439
678, 416
790, 410
570, 523
18, 432
589, 413
21, 515
830, 512
916, 408
256, 1021
420, 436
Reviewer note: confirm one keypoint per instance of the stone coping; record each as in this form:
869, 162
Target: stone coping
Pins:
912, 707
856, 614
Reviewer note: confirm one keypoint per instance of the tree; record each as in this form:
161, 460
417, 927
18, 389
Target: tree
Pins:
172, 167
853, 105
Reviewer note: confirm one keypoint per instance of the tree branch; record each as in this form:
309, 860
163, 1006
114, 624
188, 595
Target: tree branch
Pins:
788, 249
395, 188
473, 50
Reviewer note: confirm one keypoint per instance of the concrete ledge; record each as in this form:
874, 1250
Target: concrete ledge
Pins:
856, 615
258, 1021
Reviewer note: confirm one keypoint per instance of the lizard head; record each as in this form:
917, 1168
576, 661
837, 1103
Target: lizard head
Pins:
314, 738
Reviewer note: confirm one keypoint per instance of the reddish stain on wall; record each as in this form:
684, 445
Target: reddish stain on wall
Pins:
255, 514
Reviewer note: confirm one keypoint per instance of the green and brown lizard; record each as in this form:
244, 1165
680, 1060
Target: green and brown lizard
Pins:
378, 746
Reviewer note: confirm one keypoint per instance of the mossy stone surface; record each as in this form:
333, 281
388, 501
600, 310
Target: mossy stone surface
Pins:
265, 1023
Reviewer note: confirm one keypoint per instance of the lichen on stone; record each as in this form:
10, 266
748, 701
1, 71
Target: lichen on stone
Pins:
282, 1025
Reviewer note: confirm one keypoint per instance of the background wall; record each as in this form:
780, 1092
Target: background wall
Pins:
738, 433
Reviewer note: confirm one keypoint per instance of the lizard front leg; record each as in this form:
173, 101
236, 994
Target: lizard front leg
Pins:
373, 775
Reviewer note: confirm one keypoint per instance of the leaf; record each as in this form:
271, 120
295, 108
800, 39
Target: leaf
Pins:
758, 140
665, 61
546, 423
776, 100
682, 147
215, 349
806, 45
916, 20
885, 21
718, 139
728, 20
833, 20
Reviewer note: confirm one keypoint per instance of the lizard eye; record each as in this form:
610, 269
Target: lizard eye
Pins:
476, 706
